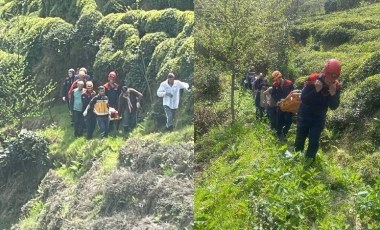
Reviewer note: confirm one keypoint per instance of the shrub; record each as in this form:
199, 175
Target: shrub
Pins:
165, 20
207, 83
362, 100
28, 149
335, 36
123, 33
206, 118
300, 35
370, 67
66, 10
149, 42
331, 6
368, 206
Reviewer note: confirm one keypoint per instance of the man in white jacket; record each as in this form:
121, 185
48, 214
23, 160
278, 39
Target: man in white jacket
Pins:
170, 91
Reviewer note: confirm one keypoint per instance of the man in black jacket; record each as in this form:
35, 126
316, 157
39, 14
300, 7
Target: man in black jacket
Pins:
321, 91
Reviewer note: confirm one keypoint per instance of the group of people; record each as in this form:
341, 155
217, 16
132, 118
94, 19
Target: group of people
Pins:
320, 92
112, 103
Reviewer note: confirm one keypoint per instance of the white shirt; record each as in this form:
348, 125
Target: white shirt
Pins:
164, 88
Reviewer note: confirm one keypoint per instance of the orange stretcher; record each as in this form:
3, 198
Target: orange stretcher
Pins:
292, 102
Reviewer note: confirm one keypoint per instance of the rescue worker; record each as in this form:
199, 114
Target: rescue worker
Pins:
321, 91
99, 105
112, 91
90, 118
257, 90
280, 90
129, 103
169, 90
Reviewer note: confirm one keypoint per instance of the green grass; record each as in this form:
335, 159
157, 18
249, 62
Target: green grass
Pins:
30, 222
252, 183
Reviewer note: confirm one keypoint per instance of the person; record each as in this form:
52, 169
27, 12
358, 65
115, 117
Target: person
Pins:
86, 76
270, 108
169, 90
76, 106
321, 91
280, 90
112, 91
90, 118
258, 89
129, 103
81, 77
65, 90
99, 105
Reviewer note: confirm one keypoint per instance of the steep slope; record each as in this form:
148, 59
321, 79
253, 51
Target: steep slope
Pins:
248, 180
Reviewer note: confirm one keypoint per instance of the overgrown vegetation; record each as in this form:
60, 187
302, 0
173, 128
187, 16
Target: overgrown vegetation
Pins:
246, 178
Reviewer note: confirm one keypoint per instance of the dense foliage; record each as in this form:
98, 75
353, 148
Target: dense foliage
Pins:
129, 37
247, 179
26, 150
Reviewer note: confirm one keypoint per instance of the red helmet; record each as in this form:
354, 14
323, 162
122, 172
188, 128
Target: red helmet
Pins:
112, 76
332, 68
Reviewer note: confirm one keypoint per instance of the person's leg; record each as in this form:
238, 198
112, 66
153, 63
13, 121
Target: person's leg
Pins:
91, 120
125, 121
314, 135
81, 123
287, 122
102, 126
169, 116
302, 132
76, 123
132, 120
107, 123
280, 123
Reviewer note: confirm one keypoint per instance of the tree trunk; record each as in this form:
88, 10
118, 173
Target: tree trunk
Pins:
233, 94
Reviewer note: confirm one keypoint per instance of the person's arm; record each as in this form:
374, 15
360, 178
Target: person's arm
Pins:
334, 101
161, 90
183, 85
72, 87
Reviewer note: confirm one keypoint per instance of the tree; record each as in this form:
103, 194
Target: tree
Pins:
240, 33
20, 97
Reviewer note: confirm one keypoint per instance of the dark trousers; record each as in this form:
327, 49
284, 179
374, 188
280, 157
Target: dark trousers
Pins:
129, 120
78, 123
284, 121
103, 122
90, 124
271, 112
310, 126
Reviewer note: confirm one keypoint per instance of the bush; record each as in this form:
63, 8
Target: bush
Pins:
363, 100
205, 119
331, 6
122, 34
165, 20
368, 68
28, 149
368, 206
149, 43
335, 36
300, 35
207, 83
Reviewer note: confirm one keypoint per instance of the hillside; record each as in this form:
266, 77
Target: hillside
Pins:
247, 179
52, 180
141, 40
122, 182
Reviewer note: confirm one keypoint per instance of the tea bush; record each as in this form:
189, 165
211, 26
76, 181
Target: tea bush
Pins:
27, 150
362, 100
368, 68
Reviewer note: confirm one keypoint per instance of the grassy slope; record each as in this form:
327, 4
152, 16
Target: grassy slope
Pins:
248, 183
74, 157
253, 184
